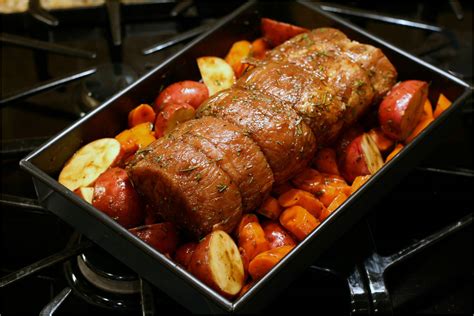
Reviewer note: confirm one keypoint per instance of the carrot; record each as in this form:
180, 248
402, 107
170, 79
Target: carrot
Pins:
358, 182
141, 114
395, 151
428, 109
265, 261
252, 240
442, 104
246, 288
298, 221
324, 214
279, 189
325, 161
338, 200
303, 199
326, 194
127, 142
259, 48
419, 128
270, 208
236, 54
247, 218
137, 137
276, 235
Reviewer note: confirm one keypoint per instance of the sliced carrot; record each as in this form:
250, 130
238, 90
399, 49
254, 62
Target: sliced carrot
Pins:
383, 142
127, 142
303, 199
358, 182
338, 200
247, 218
259, 48
252, 240
324, 214
270, 208
298, 221
141, 114
441, 106
419, 128
394, 152
326, 194
237, 53
246, 288
427, 110
325, 161
265, 261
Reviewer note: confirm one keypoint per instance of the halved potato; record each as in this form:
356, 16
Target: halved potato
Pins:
216, 73
216, 261
86, 193
89, 162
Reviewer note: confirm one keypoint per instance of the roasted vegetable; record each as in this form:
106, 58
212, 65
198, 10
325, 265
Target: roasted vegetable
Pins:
216, 261
237, 53
441, 106
187, 91
141, 114
216, 73
276, 32
164, 237
270, 208
303, 199
325, 161
265, 261
276, 235
89, 162
184, 254
298, 221
394, 152
402, 108
170, 116
115, 196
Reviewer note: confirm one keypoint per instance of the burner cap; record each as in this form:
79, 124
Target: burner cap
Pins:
104, 83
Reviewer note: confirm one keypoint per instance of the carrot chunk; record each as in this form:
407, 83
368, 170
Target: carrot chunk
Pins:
141, 114
303, 199
270, 208
259, 48
395, 151
236, 54
298, 221
358, 182
252, 240
265, 261
441, 106
338, 200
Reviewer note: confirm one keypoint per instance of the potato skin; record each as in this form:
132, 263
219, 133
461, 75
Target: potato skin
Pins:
187, 91
353, 162
275, 32
115, 196
184, 254
276, 235
401, 110
170, 115
200, 265
164, 237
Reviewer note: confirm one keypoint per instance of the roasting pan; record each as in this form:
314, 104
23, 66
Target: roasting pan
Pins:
110, 118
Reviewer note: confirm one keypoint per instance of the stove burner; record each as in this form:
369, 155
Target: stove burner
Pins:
107, 80
106, 284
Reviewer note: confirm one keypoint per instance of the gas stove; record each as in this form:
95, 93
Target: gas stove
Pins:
411, 254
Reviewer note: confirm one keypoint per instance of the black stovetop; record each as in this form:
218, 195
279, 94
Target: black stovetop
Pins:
428, 202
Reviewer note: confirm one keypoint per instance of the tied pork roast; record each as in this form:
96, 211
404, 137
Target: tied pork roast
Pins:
265, 129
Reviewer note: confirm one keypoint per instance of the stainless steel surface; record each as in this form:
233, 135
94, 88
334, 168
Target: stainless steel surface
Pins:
378, 17
113, 11
37, 11
51, 84
52, 306
175, 39
46, 46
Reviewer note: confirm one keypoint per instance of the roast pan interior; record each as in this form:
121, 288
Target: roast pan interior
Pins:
111, 118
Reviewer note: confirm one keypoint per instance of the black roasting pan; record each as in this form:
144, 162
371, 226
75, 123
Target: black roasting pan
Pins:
110, 118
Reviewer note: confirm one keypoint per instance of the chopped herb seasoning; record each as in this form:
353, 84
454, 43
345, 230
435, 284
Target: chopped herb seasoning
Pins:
159, 158
217, 82
217, 159
221, 187
251, 180
190, 168
239, 151
198, 177
279, 143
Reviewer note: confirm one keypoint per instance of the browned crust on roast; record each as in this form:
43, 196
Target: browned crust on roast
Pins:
285, 140
236, 153
185, 187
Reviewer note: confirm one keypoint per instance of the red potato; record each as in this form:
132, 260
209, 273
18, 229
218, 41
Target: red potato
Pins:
384, 144
115, 196
265, 261
276, 235
401, 110
362, 157
216, 262
325, 161
184, 254
170, 116
86, 193
276, 32
89, 162
164, 237
190, 92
